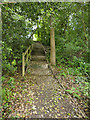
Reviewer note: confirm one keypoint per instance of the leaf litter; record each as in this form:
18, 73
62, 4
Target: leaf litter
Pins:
38, 95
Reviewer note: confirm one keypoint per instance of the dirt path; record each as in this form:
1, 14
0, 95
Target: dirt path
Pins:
39, 95
50, 100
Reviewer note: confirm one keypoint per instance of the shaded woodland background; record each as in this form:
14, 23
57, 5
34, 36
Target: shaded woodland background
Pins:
20, 21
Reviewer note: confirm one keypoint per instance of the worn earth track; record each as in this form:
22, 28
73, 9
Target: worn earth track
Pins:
44, 98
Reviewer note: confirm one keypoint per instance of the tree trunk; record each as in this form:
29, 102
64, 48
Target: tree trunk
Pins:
52, 46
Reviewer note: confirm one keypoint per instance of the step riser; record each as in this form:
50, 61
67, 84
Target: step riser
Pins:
37, 50
38, 54
38, 59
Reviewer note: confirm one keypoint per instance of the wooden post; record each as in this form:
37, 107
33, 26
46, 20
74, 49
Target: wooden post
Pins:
30, 53
23, 65
26, 55
27, 58
52, 44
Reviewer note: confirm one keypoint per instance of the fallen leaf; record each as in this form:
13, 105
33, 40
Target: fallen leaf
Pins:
62, 107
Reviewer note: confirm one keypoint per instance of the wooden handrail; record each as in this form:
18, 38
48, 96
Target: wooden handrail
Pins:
27, 55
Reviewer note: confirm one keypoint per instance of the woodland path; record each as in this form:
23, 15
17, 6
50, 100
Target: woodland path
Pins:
42, 96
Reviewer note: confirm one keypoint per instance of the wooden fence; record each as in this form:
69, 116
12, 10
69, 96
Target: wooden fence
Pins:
26, 56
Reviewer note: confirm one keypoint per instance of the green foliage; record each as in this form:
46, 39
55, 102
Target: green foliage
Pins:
11, 82
70, 34
4, 94
7, 92
14, 37
64, 74
79, 66
83, 81
70, 20
74, 92
76, 66
2, 78
14, 62
84, 85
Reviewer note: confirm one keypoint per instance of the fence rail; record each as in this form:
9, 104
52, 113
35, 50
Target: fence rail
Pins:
26, 56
